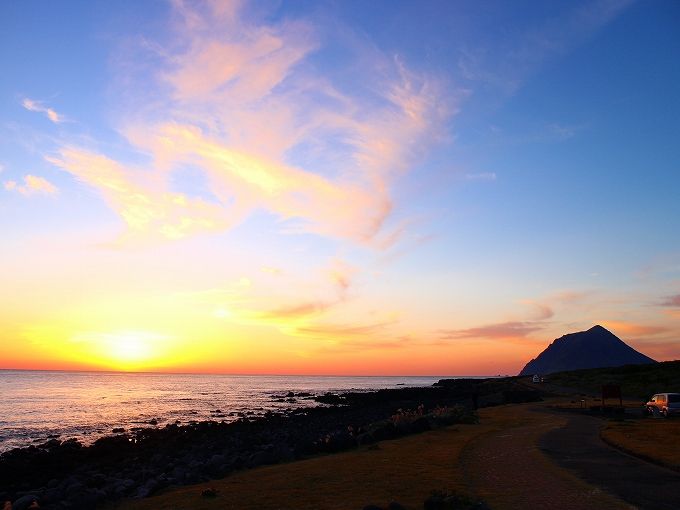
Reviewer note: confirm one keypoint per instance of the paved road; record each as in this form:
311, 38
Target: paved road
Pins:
577, 446
507, 469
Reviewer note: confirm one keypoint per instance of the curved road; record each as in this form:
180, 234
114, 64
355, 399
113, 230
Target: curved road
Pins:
553, 460
577, 446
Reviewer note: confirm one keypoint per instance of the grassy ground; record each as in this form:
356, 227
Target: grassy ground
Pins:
654, 439
406, 470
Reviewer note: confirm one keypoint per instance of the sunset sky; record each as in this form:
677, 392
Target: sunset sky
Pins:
343, 187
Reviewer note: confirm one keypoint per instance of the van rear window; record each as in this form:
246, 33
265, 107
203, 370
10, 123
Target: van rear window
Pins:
673, 399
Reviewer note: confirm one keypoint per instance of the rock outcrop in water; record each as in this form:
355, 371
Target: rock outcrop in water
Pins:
594, 348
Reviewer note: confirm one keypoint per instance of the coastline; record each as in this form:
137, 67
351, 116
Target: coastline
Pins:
67, 474
87, 406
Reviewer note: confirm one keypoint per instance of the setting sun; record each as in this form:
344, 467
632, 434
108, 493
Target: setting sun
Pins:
130, 347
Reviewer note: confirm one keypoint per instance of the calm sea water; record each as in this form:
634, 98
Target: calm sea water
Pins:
87, 405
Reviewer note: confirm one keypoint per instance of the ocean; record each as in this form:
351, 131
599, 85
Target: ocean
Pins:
38, 405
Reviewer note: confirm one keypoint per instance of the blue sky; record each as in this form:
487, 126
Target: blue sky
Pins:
364, 187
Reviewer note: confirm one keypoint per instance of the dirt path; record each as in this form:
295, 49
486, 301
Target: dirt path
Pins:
507, 469
578, 447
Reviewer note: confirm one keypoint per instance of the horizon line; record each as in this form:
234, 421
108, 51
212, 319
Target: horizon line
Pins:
142, 372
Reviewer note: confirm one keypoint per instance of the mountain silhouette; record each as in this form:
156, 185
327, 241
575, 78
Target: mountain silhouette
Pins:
594, 348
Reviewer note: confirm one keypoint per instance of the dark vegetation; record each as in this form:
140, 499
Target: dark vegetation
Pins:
636, 381
66, 474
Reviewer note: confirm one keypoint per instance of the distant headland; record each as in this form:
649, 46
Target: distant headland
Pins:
595, 348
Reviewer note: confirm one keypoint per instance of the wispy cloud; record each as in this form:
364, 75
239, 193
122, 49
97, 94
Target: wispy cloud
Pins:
569, 297
32, 185
506, 62
242, 101
37, 106
542, 311
482, 176
627, 328
498, 331
273, 299
665, 349
671, 301
145, 204
362, 341
342, 331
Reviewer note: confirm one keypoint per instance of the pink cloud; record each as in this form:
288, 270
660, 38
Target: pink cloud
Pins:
32, 185
143, 203
503, 330
671, 301
660, 350
268, 132
634, 329
37, 106
542, 311
343, 331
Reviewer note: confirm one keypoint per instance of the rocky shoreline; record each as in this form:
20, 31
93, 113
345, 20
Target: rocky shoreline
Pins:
67, 475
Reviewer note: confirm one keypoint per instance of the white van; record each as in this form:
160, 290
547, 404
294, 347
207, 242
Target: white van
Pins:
667, 404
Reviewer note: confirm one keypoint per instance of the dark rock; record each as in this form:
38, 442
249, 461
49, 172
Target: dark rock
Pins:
382, 430
283, 453
118, 430
74, 489
178, 474
261, 458
24, 502
71, 444
52, 495
209, 493
444, 500
217, 459
365, 438
420, 425
125, 486
147, 489
95, 481
52, 443
85, 499
330, 398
